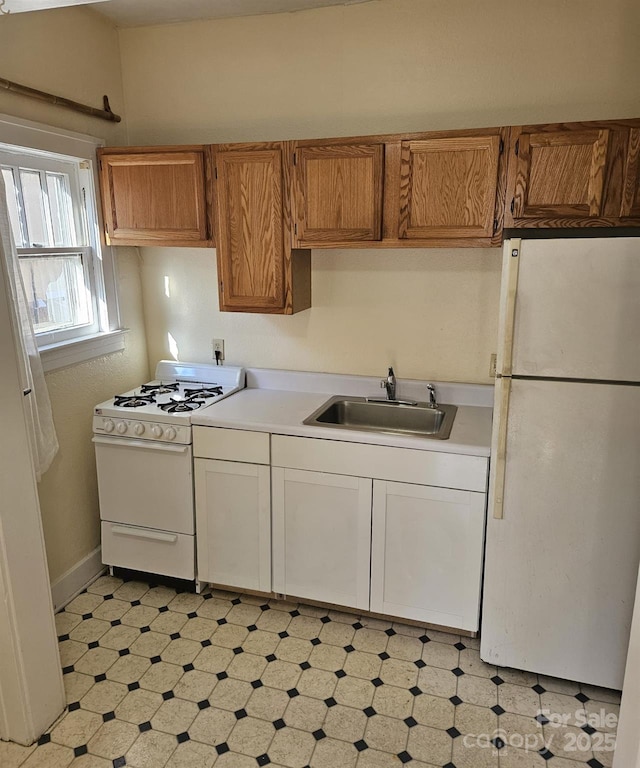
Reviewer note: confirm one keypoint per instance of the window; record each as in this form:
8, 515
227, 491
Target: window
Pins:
46, 200
69, 277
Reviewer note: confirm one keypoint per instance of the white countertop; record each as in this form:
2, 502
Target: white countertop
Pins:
282, 410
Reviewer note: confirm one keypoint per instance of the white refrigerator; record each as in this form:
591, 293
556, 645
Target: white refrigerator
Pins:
563, 532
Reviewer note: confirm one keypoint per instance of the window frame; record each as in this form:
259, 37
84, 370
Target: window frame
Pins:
61, 348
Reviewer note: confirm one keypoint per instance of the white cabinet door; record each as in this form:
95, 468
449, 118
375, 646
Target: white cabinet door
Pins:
322, 536
426, 557
233, 524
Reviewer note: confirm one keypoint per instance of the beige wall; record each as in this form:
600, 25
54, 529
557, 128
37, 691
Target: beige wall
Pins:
429, 313
74, 53
388, 65
68, 491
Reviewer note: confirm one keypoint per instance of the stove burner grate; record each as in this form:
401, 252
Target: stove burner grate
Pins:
181, 406
133, 401
204, 391
159, 389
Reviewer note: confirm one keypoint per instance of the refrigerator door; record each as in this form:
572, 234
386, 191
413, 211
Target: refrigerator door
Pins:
561, 566
577, 309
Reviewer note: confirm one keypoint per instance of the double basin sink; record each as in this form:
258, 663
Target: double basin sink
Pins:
389, 416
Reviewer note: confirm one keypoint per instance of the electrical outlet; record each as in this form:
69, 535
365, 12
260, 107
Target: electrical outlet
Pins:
218, 346
492, 366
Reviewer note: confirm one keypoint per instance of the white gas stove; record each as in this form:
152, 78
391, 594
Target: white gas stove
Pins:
161, 409
144, 463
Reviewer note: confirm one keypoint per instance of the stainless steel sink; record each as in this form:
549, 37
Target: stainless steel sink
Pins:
417, 420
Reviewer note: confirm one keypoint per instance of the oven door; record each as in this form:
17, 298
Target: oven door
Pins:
145, 483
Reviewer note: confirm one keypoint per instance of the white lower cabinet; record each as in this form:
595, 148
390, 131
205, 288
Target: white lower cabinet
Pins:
322, 536
233, 523
300, 517
427, 550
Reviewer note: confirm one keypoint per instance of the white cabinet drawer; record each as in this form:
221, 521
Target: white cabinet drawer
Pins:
446, 470
231, 445
148, 549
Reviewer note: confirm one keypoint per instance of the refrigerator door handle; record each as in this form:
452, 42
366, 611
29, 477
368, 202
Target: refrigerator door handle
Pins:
512, 265
501, 453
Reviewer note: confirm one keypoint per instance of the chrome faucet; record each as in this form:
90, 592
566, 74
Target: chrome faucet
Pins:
390, 385
432, 396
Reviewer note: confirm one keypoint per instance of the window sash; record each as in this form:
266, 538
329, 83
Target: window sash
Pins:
21, 164
45, 338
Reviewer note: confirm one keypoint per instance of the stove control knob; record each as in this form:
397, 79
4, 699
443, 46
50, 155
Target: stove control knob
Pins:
170, 433
138, 428
156, 430
121, 426
108, 425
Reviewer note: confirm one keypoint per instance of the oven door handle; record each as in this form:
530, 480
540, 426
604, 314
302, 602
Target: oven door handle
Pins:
138, 533
149, 445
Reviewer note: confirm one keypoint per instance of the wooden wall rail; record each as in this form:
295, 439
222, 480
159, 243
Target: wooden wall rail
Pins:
104, 114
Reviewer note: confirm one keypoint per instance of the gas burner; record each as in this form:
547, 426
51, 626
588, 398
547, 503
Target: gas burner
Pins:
204, 391
133, 401
181, 406
159, 389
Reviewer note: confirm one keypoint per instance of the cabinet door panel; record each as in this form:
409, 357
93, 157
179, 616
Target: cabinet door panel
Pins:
233, 524
561, 173
250, 221
631, 191
427, 553
322, 536
448, 187
339, 193
155, 198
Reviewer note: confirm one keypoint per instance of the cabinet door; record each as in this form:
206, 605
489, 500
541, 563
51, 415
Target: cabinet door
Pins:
233, 524
322, 536
559, 173
338, 193
155, 197
448, 187
426, 557
631, 191
251, 255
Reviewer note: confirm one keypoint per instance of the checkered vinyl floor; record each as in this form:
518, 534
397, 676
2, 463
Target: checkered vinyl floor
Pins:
156, 677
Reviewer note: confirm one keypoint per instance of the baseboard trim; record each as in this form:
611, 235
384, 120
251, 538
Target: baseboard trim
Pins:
77, 579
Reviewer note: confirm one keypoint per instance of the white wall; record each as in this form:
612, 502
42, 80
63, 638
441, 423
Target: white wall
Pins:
627, 753
387, 65
74, 53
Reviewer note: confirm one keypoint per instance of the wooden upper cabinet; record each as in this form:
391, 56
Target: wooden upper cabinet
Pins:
257, 269
156, 195
337, 193
446, 188
573, 175
560, 173
631, 189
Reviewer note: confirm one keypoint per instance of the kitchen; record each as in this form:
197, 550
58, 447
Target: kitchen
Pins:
317, 73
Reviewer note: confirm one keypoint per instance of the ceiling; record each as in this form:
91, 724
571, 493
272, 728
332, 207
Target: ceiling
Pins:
137, 13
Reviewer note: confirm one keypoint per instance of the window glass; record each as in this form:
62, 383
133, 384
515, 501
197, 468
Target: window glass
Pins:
56, 291
60, 209
32, 195
12, 204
